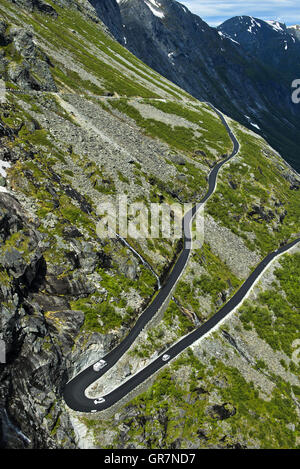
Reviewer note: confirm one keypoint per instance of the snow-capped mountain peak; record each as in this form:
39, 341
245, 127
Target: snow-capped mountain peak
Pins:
279, 27
261, 36
153, 5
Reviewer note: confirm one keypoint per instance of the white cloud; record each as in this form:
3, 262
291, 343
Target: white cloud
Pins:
214, 12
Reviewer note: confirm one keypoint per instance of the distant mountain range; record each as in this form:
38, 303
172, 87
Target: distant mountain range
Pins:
245, 66
270, 42
295, 30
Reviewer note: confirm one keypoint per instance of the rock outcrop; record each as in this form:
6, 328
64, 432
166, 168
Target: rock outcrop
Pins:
38, 5
24, 63
40, 334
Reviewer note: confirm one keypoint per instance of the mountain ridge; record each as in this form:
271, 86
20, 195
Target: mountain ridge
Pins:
213, 67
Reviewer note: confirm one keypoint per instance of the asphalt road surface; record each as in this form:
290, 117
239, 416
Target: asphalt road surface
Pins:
74, 392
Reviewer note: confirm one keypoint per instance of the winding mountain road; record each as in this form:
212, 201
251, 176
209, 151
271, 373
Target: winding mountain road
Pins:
74, 392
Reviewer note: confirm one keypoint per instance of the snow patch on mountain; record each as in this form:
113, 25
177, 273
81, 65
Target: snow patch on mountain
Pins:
254, 24
155, 7
275, 25
252, 123
226, 36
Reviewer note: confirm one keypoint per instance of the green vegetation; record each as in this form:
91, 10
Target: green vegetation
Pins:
218, 282
189, 189
19, 241
181, 138
147, 283
173, 320
4, 277
123, 178
179, 409
104, 315
99, 317
267, 421
289, 276
173, 315
262, 202
122, 73
214, 132
276, 317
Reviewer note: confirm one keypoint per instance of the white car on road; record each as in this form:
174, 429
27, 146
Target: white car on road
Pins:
165, 357
99, 401
99, 365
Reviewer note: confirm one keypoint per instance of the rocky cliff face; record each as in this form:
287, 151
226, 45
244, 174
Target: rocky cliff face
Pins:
39, 332
38, 5
215, 66
24, 64
109, 12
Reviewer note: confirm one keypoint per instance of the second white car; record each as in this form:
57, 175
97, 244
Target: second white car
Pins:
99, 365
101, 400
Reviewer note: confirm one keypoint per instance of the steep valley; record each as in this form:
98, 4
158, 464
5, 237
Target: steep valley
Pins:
245, 67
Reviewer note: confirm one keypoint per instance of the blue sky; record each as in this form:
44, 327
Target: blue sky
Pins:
214, 12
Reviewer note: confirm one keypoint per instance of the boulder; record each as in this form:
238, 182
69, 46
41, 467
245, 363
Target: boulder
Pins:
69, 286
65, 325
38, 5
33, 72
